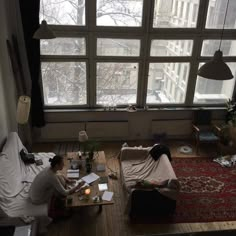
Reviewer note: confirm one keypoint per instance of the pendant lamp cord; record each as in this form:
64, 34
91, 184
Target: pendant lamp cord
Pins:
42, 9
224, 23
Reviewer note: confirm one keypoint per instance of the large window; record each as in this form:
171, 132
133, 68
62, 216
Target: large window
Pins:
209, 91
68, 12
171, 48
122, 52
63, 46
118, 47
117, 83
119, 13
167, 83
175, 14
64, 83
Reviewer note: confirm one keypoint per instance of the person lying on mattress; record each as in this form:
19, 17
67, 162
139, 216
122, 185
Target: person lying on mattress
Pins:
169, 187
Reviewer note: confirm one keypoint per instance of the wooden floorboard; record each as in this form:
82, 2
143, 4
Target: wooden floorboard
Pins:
113, 221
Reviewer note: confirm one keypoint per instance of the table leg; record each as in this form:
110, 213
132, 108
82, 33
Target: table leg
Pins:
100, 208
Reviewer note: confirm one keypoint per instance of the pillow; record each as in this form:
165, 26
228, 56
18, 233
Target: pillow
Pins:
158, 149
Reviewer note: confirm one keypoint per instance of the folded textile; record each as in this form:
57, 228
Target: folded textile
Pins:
159, 149
226, 161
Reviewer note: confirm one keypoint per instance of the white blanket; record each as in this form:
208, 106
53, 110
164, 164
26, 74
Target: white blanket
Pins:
137, 164
15, 181
19, 205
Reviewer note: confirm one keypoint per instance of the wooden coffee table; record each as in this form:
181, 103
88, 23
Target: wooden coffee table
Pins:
76, 202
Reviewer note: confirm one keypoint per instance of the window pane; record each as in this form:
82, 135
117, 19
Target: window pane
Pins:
117, 83
169, 48
167, 82
64, 83
118, 47
209, 91
66, 12
175, 14
228, 47
63, 46
216, 14
119, 13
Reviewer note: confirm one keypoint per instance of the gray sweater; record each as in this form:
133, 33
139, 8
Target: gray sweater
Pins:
45, 184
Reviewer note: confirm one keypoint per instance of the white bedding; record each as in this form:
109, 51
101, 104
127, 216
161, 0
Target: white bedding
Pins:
20, 205
12, 168
16, 178
15, 181
138, 164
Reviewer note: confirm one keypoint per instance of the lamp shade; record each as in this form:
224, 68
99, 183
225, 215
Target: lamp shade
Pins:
23, 109
83, 137
216, 68
43, 32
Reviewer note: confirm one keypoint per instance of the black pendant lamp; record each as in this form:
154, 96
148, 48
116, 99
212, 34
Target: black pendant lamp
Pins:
216, 68
44, 32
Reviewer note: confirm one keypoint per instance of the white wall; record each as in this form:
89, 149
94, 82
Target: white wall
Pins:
8, 26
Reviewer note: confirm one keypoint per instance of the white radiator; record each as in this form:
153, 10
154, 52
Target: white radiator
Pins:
99, 130
172, 127
61, 131
103, 129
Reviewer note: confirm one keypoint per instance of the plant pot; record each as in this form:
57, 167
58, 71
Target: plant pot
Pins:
88, 165
91, 155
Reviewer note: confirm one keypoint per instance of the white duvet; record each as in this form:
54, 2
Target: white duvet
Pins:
16, 178
137, 164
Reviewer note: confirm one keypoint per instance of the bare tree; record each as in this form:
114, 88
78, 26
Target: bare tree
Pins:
68, 80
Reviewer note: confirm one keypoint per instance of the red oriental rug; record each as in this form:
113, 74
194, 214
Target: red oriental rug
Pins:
208, 191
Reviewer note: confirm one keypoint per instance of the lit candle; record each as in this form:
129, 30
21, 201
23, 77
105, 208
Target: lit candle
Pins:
87, 191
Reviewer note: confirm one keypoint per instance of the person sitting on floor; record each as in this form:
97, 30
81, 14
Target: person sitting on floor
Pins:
50, 187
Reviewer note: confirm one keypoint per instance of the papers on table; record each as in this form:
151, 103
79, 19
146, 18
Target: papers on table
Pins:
107, 196
22, 230
83, 186
79, 181
90, 178
102, 187
76, 183
72, 173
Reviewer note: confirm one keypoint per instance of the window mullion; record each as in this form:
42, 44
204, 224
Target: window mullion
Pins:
91, 86
145, 52
193, 71
91, 72
202, 14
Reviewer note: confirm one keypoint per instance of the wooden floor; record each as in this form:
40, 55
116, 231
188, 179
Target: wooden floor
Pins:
112, 221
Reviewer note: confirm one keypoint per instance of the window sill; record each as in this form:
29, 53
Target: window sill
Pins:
63, 110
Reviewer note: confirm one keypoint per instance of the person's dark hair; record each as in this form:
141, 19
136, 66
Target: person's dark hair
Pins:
55, 160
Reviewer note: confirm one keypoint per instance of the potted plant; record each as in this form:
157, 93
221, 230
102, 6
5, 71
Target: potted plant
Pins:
228, 130
92, 147
231, 113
